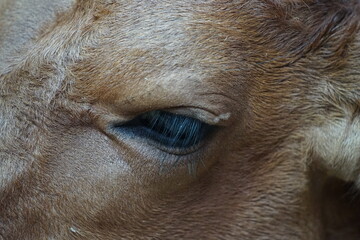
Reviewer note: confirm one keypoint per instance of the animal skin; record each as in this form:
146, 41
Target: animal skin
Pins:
278, 79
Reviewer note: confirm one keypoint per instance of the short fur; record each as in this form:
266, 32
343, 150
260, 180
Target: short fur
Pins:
280, 78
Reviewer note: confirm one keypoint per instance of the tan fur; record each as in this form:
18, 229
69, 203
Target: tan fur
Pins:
280, 78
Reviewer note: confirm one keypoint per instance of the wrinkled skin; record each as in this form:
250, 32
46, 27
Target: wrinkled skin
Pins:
279, 79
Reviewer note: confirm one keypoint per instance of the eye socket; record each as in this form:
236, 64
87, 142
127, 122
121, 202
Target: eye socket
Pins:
168, 129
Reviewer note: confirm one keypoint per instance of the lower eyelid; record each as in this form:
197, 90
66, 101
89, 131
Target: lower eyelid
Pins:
158, 156
178, 151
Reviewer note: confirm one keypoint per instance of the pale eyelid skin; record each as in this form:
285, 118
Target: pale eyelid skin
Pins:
211, 118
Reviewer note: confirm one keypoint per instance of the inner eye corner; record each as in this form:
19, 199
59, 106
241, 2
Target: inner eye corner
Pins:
169, 130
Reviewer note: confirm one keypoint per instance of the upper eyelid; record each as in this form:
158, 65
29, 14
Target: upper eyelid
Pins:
211, 118
171, 130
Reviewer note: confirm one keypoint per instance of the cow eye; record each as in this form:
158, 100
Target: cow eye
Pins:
167, 129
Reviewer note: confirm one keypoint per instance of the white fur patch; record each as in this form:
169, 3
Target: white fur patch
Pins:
337, 144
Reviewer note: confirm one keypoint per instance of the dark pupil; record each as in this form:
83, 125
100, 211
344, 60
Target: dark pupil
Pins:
171, 130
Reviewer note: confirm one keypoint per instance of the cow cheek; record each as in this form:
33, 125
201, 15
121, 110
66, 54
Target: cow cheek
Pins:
86, 172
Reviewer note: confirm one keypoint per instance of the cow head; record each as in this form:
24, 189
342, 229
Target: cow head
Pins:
180, 120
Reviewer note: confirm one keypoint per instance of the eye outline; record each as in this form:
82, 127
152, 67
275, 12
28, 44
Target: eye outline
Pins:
133, 129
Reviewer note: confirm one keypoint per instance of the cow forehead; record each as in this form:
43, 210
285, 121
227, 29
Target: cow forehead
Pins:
21, 21
186, 32
181, 36
161, 47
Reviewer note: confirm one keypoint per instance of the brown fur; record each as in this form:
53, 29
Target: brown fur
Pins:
285, 72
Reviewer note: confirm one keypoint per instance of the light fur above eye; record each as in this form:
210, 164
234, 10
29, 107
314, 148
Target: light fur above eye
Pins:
168, 129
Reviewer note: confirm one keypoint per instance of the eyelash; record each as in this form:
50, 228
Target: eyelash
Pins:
169, 130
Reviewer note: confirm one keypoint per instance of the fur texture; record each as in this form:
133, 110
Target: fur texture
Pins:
279, 78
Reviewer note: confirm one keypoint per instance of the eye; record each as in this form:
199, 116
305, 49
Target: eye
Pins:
168, 129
